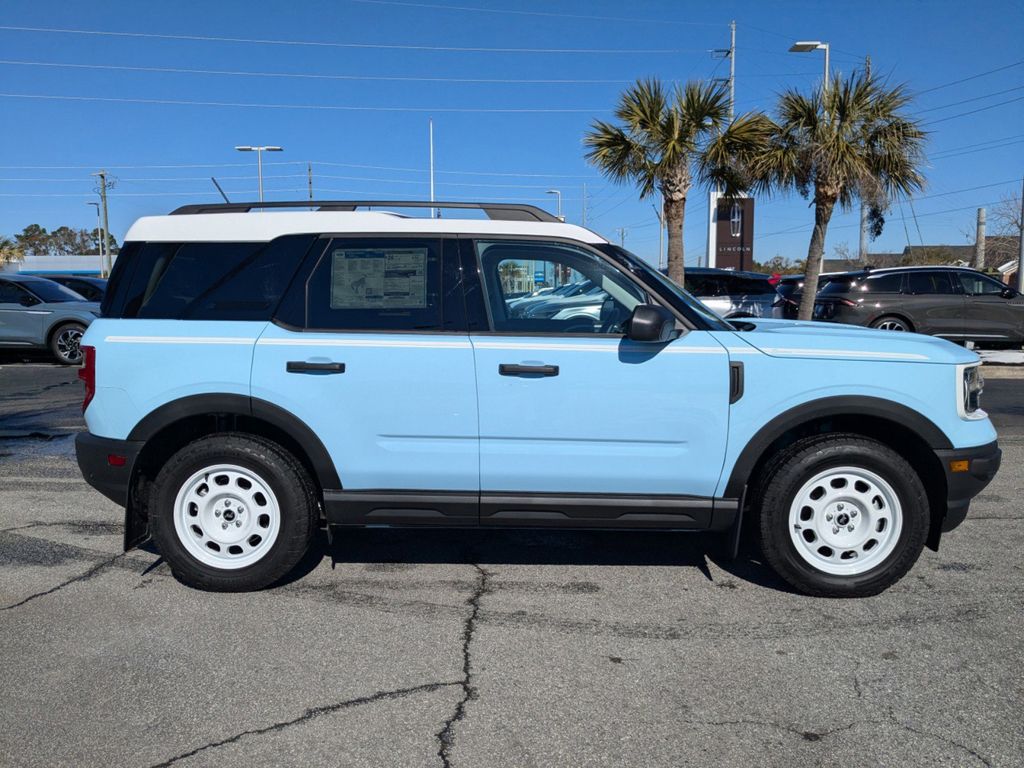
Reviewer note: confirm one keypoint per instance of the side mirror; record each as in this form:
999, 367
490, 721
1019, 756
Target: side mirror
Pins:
1008, 293
651, 323
27, 300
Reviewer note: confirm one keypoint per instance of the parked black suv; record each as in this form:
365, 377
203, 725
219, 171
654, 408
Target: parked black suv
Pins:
956, 303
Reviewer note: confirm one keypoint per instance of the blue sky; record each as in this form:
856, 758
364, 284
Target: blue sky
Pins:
368, 137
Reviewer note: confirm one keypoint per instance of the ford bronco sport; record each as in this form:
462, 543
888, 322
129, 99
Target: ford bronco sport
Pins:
258, 374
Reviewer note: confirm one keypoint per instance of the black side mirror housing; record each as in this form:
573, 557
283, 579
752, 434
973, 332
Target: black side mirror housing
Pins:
651, 323
1008, 293
28, 301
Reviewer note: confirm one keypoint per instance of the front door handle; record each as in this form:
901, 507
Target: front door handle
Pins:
509, 369
301, 366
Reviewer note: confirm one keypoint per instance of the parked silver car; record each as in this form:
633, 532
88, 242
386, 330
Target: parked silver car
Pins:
734, 294
36, 313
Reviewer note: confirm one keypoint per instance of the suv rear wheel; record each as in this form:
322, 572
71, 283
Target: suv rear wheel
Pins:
232, 512
842, 515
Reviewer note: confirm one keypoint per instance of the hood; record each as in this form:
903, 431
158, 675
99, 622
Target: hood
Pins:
837, 341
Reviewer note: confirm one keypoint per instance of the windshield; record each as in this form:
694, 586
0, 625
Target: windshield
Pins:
685, 301
51, 292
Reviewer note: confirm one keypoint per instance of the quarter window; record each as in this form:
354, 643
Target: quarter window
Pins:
10, 293
888, 283
553, 288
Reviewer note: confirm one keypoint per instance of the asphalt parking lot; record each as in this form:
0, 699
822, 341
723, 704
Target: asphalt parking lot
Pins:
487, 648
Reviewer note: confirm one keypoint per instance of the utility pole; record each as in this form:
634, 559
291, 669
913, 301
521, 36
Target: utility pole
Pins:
309, 179
433, 211
1020, 243
661, 231
979, 241
732, 70
105, 247
863, 250
99, 232
584, 219
622, 235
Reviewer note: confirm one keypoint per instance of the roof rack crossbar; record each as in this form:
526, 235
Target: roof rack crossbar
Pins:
494, 211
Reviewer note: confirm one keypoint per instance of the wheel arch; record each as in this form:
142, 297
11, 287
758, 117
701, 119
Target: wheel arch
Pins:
169, 427
896, 314
913, 435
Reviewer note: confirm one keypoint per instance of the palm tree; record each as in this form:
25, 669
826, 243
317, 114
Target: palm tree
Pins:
670, 139
10, 251
850, 141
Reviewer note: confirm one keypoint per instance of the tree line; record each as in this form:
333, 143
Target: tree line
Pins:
849, 141
35, 240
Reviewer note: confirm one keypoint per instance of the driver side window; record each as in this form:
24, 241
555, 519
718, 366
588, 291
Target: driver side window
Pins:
11, 293
554, 288
980, 285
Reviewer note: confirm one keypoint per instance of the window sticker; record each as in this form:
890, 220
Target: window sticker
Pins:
379, 279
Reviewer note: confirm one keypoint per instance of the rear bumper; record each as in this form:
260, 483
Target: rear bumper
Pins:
100, 459
962, 486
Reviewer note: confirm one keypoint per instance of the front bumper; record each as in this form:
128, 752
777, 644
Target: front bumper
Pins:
107, 464
962, 486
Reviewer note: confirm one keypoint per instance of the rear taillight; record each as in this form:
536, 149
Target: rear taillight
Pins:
87, 373
775, 279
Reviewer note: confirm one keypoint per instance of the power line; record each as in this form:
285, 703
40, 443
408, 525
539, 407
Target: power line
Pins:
979, 144
327, 107
326, 44
967, 101
304, 75
474, 9
971, 77
974, 111
980, 149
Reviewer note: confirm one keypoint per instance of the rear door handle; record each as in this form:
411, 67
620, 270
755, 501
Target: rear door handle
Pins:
508, 369
301, 366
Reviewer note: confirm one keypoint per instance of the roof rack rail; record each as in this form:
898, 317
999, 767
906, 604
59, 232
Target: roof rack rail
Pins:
494, 211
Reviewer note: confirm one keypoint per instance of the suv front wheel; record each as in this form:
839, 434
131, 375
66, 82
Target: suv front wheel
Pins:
842, 515
232, 512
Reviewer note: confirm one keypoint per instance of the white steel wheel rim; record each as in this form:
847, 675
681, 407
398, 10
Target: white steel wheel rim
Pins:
68, 344
227, 516
844, 521
890, 325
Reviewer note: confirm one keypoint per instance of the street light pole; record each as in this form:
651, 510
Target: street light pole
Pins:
805, 46
259, 161
558, 194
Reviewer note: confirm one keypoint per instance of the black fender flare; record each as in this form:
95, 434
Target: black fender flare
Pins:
243, 405
843, 405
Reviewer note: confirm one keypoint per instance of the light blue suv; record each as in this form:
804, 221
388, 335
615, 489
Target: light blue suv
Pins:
259, 375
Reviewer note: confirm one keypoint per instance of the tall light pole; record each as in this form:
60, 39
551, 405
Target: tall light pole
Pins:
558, 194
259, 160
806, 46
99, 231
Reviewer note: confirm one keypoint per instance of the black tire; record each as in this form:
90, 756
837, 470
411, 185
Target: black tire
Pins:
892, 323
64, 343
287, 479
791, 468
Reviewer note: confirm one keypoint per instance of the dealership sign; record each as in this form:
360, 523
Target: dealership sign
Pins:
731, 235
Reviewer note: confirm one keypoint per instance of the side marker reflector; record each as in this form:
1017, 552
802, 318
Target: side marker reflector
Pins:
963, 465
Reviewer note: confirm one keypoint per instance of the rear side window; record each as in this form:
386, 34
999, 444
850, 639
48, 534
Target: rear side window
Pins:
888, 283
376, 285
928, 282
838, 285
210, 281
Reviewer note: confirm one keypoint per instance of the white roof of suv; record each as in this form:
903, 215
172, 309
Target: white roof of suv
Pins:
249, 222
262, 227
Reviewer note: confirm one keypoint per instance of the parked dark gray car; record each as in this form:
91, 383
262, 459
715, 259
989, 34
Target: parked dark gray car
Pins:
36, 313
956, 303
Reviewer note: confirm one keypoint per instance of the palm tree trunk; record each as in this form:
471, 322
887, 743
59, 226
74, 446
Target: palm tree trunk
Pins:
823, 206
675, 213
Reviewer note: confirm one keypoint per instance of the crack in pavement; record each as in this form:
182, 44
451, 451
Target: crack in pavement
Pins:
73, 580
310, 714
446, 736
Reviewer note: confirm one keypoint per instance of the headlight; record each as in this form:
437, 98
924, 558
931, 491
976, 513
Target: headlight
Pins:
973, 385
